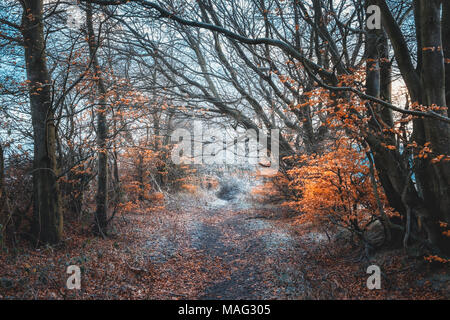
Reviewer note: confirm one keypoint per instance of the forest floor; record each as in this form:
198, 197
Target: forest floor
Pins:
207, 248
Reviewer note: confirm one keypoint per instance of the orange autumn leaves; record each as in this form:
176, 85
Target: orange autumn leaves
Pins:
335, 188
138, 165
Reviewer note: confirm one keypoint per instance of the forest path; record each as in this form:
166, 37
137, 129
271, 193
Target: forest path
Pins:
257, 257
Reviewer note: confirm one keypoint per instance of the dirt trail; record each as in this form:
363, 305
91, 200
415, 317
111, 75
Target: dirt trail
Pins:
202, 247
258, 255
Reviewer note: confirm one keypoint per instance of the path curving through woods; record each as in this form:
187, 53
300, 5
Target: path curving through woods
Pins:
258, 256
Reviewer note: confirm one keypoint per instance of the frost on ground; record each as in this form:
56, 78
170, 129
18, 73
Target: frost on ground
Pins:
204, 247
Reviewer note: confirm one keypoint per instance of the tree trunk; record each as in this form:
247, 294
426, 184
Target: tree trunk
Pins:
140, 175
2, 186
48, 219
426, 86
446, 44
102, 131
433, 178
378, 84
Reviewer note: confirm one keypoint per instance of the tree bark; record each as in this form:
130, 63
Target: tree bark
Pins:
446, 44
2, 186
48, 219
433, 178
426, 86
102, 131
